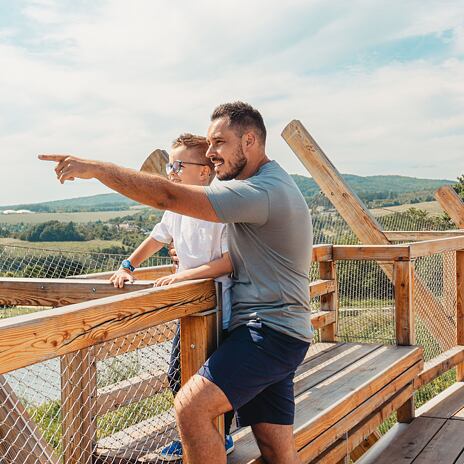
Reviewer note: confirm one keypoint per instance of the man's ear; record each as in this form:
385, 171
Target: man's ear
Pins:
249, 139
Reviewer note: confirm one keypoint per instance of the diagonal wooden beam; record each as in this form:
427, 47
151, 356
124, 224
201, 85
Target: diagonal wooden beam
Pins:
451, 202
362, 222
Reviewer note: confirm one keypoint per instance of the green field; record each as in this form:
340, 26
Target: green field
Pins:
37, 218
90, 245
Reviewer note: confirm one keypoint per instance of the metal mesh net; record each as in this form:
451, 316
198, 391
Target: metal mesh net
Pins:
120, 394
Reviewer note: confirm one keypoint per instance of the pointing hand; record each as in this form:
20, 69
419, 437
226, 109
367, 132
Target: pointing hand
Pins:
70, 167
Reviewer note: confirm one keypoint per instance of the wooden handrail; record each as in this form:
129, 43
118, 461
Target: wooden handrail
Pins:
371, 252
432, 247
421, 235
36, 337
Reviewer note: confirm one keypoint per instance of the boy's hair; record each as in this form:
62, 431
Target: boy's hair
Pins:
242, 117
199, 146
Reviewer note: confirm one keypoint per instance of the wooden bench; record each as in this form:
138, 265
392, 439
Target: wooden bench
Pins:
343, 392
435, 436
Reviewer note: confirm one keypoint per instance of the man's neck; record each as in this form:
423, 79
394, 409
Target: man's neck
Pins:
252, 167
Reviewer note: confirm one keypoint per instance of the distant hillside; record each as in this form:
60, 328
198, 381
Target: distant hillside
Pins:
381, 190
374, 190
103, 202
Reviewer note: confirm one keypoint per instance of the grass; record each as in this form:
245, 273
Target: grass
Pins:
82, 217
432, 207
90, 245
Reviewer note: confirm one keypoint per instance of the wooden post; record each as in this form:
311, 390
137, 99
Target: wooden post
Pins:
78, 395
404, 318
451, 202
361, 221
329, 302
460, 309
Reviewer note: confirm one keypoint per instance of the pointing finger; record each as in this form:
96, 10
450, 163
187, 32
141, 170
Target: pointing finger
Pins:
56, 158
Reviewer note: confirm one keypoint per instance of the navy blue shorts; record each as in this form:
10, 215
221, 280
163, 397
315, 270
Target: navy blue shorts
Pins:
255, 367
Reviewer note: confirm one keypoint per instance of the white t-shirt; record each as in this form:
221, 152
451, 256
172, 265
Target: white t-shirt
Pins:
197, 242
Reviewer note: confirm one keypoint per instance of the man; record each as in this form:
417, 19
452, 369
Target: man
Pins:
270, 239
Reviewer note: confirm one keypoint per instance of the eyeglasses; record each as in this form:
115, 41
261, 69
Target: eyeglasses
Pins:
177, 166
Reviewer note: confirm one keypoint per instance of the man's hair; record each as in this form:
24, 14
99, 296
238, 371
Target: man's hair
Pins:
242, 117
199, 147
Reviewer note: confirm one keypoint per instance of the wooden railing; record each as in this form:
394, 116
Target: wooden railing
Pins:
89, 313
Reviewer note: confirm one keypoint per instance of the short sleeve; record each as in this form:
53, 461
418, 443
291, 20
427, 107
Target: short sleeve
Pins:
239, 201
162, 232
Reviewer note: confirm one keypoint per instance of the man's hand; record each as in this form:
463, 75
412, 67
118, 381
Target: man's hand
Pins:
70, 167
121, 276
173, 254
167, 280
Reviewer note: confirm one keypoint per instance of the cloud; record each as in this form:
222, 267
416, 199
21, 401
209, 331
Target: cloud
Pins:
113, 80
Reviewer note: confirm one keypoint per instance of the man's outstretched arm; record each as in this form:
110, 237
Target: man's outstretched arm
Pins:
148, 189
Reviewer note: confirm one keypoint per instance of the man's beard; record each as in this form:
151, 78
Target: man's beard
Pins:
236, 166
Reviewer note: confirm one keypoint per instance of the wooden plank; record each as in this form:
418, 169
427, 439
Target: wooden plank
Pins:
460, 309
432, 247
404, 301
361, 221
138, 441
444, 405
78, 392
329, 301
324, 404
129, 391
394, 455
322, 319
20, 438
198, 340
439, 365
364, 225
33, 338
159, 334
357, 415
365, 445
322, 253
141, 273
420, 235
445, 446
59, 292
321, 287
314, 372
343, 447
370, 252
451, 202
404, 319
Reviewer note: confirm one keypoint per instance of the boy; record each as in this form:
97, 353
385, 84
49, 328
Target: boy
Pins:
201, 247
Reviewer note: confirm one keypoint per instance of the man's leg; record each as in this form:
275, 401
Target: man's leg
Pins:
197, 404
276, 443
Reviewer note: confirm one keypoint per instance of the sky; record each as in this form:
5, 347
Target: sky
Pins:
378, 84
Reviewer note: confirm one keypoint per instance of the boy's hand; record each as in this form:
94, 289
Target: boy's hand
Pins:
121, 276
166, 280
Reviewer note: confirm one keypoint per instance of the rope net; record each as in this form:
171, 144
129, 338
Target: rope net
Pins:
119, 394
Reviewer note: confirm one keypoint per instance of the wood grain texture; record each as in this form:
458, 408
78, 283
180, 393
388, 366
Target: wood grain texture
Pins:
439, 365
451, 202
420, 235
371, 252
78, 394
322, 287
141, 273
362, 222
59, 292
33, 338
329, 300
156, 163
433, 247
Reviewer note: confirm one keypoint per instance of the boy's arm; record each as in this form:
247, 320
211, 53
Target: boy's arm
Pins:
211, 270
146, 249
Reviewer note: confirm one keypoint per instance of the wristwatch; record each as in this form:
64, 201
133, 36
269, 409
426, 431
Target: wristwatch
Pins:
126, 264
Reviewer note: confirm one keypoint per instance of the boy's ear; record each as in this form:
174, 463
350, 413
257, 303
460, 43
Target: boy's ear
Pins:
206, 172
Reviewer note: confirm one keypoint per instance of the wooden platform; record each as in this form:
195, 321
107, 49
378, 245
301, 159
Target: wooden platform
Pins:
436, 436
342, 387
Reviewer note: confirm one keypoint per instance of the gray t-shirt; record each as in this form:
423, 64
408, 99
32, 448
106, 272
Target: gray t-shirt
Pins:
270, 244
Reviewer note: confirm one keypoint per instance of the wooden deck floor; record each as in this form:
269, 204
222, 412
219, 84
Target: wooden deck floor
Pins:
436, 436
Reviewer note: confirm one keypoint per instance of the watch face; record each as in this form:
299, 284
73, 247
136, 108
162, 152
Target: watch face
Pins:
126, 264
